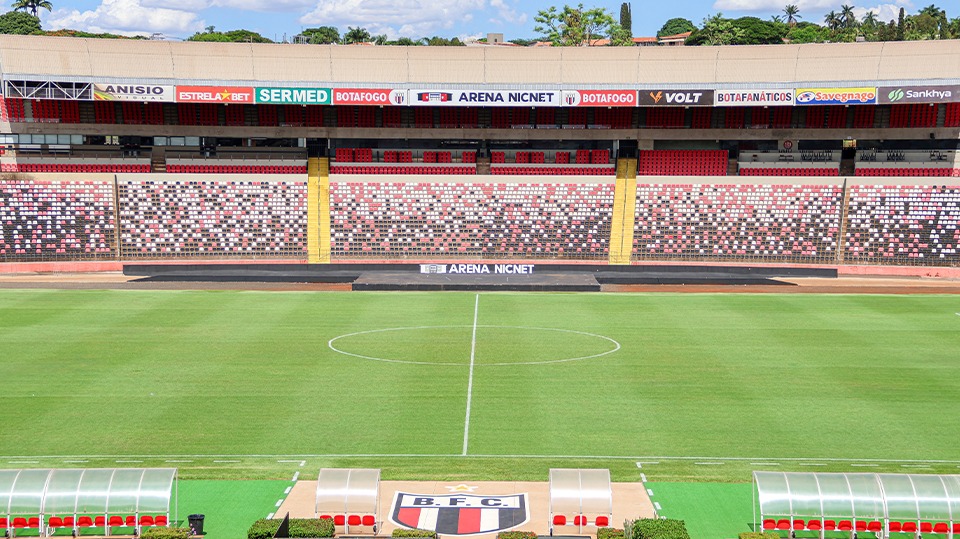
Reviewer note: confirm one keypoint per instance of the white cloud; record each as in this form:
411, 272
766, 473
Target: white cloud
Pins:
885, 12
265, 5
507, 14
410, 18
126, 17
774, 5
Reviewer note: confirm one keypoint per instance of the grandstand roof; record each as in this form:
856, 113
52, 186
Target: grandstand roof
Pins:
250, 64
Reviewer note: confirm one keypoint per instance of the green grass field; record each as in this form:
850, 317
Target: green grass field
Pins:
697, 387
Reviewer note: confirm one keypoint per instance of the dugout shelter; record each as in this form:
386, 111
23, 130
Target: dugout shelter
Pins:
858, 502
97, 500
350, 497
580, 498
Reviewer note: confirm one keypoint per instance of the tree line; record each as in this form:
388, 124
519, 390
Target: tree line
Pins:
572, 26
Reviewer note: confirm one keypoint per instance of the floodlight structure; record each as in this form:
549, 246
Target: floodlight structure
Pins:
581, 498
350, 497
858, 502
43, 501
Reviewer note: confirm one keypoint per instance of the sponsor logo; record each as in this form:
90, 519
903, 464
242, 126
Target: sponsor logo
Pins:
135, 92
506, 269
435, 97
459, 514
365, 96
836, 96
214, 94
733, 98
495, 98
600, 98
294, 96
919, 94
676, 97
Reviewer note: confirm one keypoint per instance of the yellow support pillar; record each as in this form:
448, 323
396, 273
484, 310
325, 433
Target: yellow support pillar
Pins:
318, 210
624, 207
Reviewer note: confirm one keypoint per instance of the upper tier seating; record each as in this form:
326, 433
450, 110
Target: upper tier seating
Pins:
56, 220
913, 225
907, 163
796, 223
802, 163
682, 163
212, 218
433, 220
64, 165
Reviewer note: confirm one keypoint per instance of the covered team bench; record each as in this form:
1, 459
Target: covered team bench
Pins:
580, 498
94, 501
848, 503
349, 496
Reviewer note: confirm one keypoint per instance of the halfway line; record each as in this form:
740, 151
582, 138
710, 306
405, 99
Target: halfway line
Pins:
473, 355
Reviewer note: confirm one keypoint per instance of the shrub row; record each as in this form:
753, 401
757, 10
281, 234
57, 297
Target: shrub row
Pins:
759, 535
656, 528
163, 532
516, 535
299, 527
609, 533
401, 532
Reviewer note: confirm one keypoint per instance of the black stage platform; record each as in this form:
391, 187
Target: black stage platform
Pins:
478, 276
539, 282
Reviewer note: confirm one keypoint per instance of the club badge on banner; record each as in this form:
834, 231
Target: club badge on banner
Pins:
599, 98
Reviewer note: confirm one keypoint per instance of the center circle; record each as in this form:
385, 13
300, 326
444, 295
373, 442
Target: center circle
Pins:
492, 346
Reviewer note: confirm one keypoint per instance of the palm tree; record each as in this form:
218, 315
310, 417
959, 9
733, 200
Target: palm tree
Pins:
793, 13
32, 5
869, 19
848, 17
832, 20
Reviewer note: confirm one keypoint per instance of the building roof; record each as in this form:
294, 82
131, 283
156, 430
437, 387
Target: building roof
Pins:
251, 64
645, 39
676, 37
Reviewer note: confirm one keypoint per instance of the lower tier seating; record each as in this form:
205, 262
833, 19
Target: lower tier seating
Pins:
212, 218
75, 167
903, 224
797, 223
385, 220
56, 220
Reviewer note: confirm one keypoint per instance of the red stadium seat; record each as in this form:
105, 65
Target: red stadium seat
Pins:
339, 520
161, 520
895, 526
798, 524
579, 520
845, 526
369, 520
19, 522
130, 521
115, 520
783, 524
926, 527
68, 522
354, 520
55, 522
3, 523
941, 528
603, 521
814, 525
909, 527
860, 525
84, 522
829, 525
146, 520
956, 527
559, 520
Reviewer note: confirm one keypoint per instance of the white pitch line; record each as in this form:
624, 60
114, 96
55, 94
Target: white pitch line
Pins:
225, 461
657, 505
287, 490
764, 464
473, 356
279, 503
178, 461
811, 464
23, 462
709, 463
128, 461
643, 478
76, 461
295, 476
649, 492
866, 465
270, 516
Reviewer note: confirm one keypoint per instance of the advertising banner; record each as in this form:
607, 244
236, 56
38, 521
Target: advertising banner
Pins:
132, 92
676, 98
489, 98
599, 98
369, 96
294, 96
753, 98
918, 94
214, 94
836, 96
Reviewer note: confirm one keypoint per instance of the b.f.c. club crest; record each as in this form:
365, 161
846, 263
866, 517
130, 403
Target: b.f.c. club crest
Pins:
459, 514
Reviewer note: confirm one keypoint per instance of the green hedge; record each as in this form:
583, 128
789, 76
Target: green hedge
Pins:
403, 532
656, 528
759, 535
609, 533
162, 532
517, 535
299, 527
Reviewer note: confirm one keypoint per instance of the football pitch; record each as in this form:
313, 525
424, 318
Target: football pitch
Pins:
489, 386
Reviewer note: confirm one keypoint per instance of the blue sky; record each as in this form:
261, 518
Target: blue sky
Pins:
410, 18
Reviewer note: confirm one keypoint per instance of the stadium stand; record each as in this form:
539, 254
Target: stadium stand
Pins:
808, 163
503, 220
56, 220
682, 163
212, 218
773, 223
907, 163
903, 224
